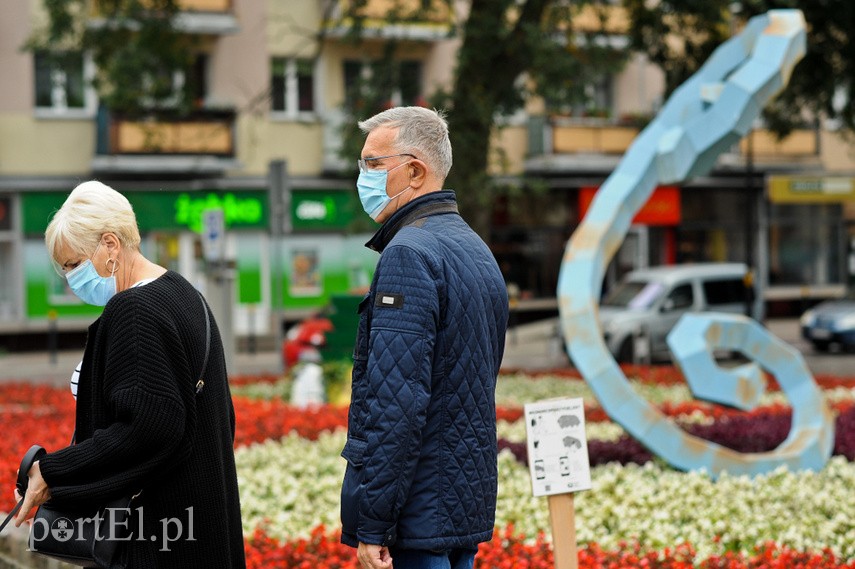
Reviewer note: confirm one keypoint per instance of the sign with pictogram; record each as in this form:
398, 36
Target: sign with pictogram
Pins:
557, 447
213, 234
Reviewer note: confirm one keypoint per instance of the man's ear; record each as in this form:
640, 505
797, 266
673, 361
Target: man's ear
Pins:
418, 173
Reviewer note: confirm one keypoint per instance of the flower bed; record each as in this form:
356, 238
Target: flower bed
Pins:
508, 549
639, 513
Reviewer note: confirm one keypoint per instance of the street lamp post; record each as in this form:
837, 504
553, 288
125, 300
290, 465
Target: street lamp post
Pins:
749, 223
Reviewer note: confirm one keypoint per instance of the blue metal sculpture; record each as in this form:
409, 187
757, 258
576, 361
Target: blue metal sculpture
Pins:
705, 115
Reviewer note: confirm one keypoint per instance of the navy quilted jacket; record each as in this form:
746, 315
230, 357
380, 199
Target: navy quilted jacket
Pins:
421, 447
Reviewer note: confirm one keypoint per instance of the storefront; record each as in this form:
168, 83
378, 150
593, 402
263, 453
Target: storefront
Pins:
291, 276
651, 239
809, 236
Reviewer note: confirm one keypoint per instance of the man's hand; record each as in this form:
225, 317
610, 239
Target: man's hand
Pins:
373, 556
37, 494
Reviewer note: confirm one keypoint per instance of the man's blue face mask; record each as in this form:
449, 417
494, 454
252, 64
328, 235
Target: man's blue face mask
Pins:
371, 186
90, 287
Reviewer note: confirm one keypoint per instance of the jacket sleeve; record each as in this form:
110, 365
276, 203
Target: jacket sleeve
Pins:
142, 391
401, 343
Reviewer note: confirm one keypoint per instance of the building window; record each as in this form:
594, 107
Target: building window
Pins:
403, 85
176, 87
409, 83
292, 86
61, 82
355, 75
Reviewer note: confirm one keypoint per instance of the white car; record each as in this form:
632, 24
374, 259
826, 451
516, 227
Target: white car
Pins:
637, 314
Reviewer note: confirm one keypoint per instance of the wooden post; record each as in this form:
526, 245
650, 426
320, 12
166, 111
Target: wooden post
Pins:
562, 517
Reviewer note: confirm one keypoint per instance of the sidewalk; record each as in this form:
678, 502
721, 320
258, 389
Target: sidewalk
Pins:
529, 346
37, 367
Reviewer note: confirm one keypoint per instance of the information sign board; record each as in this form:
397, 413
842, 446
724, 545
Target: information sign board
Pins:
557, 447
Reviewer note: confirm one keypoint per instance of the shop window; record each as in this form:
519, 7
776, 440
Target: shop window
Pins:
8, 302
61, 83
5, 215
292, 84
807, 245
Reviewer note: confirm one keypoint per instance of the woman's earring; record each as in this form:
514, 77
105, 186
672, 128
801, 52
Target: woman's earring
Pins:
115, 266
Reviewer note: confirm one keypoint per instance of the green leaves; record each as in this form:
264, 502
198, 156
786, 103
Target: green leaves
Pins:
142, 61
679, 35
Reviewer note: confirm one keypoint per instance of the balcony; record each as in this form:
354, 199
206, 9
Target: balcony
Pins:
204, 17
764, 144
594, 138
395, 19
200, 143
601, 19
569, 143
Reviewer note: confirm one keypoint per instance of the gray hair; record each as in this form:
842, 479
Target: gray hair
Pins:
91, 210
424, 132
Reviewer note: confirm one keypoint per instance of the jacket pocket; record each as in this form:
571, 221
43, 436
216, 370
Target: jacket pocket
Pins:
359, 389
351, 488
360, 348
354, 451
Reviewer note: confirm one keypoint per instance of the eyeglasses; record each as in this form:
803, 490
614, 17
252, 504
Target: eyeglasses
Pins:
366, 164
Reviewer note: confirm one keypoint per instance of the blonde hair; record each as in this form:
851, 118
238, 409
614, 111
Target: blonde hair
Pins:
91, 210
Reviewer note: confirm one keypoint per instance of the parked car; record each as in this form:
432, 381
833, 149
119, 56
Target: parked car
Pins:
637, 314
308, 335
831, 322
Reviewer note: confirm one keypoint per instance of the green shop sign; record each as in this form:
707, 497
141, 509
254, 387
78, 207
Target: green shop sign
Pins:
326, 209
163, 210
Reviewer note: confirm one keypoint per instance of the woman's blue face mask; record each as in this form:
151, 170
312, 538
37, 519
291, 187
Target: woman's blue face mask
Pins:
90, 287
371, 186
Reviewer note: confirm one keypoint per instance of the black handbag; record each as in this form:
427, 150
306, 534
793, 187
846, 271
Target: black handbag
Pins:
86, 536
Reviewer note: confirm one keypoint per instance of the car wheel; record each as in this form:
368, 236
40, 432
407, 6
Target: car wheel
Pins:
820, 345
626, 353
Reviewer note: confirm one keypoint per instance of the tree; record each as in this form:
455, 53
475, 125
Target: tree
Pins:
679, 35
136, 49
511, 50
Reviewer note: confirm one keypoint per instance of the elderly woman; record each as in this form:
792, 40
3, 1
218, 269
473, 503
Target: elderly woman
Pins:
142, 422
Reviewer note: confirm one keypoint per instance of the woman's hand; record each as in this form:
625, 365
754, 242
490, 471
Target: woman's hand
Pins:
37, 494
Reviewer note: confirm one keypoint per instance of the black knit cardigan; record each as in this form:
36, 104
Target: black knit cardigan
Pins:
140, 425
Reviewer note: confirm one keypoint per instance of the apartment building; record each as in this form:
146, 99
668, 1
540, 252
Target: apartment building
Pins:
273, 78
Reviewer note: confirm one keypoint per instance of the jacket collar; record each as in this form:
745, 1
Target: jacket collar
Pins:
443, 201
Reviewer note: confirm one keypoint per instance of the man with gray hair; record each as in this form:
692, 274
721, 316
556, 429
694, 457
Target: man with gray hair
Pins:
421, 479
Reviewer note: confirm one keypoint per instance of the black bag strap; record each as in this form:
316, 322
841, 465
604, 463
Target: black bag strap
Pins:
201, 383
35, 453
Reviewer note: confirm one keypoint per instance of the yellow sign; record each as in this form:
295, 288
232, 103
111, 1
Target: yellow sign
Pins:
811, 189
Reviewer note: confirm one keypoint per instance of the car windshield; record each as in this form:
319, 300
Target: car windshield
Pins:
633, 294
